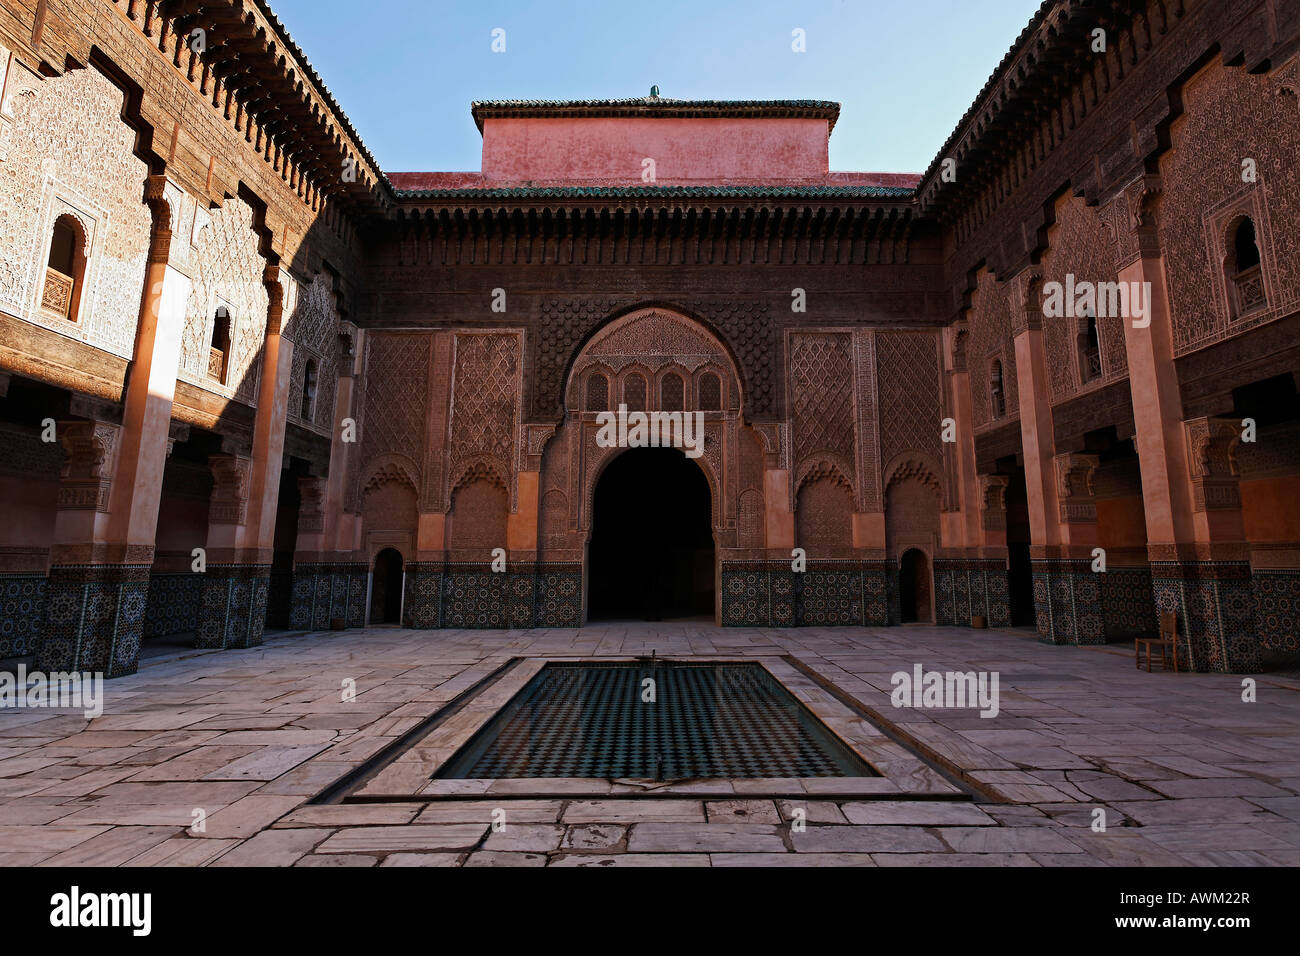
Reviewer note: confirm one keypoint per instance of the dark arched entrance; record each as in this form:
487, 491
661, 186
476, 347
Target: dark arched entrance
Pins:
1020, 576
914, 587
651, 552
386, 588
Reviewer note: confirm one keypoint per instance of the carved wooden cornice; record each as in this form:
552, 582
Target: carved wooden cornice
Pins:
650, 231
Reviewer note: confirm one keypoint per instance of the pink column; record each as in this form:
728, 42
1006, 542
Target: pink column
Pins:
108, 507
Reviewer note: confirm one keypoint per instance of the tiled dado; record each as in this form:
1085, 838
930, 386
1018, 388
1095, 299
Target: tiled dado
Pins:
1067, 602
970, 588
323, 593
22, 613
94, 618
827, 593
1076, 605
173, 605
1215, 604
1127, 604
1277, 608
232, 611
460, 595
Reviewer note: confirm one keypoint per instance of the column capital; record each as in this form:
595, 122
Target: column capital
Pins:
993, 501
311, 512
91, 448
1212, 463
176, 432
275, 278
160, 236
959, 339
1027, 308
347, 352
1074, 475
1132, 215
230, 486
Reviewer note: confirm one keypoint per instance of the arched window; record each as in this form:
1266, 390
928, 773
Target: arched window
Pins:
710, 392
308, 390
672, 393
634, 393
65, 269
1244, 246
1089, 350
219, 347
996, 392
598, 393
1245, 276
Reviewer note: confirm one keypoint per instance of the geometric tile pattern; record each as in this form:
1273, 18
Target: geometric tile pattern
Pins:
826, 593
1277, 609
1215, 605
173, 605
324, 593
1127, 604
1067, 602
705, 721
94, 618
971, 588
451, 595
422, 602
232, 608
22, 611
472, 597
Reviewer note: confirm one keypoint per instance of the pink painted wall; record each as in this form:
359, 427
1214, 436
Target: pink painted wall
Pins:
29, 512
686, 151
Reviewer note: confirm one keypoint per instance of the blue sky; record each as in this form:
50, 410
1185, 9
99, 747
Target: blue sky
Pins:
405, 71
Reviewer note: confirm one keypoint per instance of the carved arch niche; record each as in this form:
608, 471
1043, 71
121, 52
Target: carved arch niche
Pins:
660, 346
480, 508
390, 507
913, 498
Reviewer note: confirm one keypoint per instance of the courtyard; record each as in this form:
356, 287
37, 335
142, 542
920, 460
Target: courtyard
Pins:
315, 749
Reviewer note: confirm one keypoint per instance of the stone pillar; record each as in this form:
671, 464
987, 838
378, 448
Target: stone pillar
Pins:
1214, 594
971, 575
1074, 592
108, 505
992, 506
329, 584
241, 517
1199, 560
1039, 451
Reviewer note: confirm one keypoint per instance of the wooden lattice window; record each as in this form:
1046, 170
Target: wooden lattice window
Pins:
597, 393
219, 347
308, 390
634, 393
65, 269
710, 392
1089, 350
672, 392
997, 393
1245, 269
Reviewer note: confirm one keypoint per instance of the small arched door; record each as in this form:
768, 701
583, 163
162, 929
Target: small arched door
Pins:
914, 587
386, 588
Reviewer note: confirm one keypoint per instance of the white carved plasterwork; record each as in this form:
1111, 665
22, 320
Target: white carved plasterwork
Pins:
312, 324
227, 270
68, 150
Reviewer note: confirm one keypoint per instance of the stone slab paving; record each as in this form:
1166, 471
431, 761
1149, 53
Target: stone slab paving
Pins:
211, 759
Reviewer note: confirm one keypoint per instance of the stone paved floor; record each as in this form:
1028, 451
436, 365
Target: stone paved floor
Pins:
1187, 773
